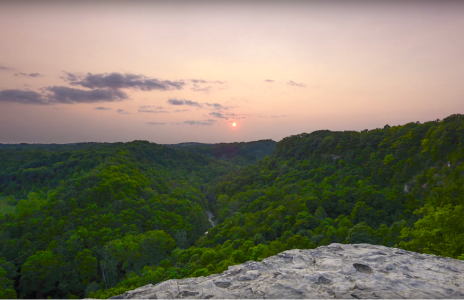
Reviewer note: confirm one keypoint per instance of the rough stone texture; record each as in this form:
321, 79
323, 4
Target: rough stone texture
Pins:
334, 271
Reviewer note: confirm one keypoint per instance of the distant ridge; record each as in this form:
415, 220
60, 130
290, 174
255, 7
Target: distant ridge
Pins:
241, 153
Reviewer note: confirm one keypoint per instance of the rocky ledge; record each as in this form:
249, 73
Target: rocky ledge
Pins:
334, 271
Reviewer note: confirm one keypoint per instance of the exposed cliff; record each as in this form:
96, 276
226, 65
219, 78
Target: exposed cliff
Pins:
334, 271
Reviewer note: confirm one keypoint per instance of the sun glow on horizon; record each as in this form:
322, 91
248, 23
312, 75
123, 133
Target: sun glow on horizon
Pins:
234, 124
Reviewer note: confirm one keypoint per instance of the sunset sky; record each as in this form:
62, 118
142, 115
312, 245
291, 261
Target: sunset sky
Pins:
178, 71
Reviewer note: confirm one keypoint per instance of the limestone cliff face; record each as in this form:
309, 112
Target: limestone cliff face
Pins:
334, 271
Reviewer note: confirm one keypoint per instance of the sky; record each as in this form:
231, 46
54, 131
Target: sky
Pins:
184, 71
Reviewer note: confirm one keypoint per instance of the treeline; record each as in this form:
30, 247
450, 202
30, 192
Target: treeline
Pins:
400, 186
138, 217
91, 216
241, 154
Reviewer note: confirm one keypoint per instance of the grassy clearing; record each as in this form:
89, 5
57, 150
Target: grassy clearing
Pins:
5, 208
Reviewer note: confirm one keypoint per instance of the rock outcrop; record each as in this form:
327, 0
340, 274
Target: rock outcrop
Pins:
334, 271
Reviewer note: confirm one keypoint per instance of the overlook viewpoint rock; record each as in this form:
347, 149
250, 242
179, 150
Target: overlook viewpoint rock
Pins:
334, 271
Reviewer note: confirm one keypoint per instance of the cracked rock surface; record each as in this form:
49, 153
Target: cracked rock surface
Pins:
334, 271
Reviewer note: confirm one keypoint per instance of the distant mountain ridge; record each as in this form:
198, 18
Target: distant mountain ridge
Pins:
241, 153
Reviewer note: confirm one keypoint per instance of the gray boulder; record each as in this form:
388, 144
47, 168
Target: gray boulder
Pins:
334, 271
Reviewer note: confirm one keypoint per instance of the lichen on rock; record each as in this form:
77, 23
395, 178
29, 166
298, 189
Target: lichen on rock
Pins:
334, 271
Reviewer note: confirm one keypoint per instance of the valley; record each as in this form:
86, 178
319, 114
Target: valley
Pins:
99, 219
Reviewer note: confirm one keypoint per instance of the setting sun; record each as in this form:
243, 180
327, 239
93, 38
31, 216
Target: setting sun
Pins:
234, 124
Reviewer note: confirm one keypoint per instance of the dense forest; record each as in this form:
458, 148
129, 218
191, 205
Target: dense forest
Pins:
98, 219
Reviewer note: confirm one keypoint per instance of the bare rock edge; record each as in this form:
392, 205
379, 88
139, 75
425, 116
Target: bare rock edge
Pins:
334, 271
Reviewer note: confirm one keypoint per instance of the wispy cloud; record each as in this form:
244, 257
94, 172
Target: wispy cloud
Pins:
152, 109
151, 106
119, 81
122, 111
199, 81
198, 85
69, 77
155, 123
296, 84
218, 115
61, 94
206, 81
34, 75
268, 80
23, 97
196, 88
217, 106
161, 109
8, 69
3, 68
203, 123
227, 115
102, 108
183, 102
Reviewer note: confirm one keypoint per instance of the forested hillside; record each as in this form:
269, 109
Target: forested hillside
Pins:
101, 219
79, 209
